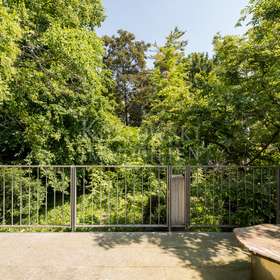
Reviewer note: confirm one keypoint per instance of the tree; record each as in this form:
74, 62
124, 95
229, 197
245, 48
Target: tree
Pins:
222, 110
200, 67
57, 112
10, 33
126, 59
171, 98
246, 90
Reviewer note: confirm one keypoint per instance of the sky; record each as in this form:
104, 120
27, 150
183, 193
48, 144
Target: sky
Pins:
152, 20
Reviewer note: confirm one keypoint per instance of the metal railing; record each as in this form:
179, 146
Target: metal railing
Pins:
230, 196
137, 196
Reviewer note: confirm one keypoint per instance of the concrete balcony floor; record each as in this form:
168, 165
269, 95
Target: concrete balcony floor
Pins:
121, 256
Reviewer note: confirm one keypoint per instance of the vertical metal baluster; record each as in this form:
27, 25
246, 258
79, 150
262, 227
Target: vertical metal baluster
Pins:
100, 203
62, 199
125, 193
117, 196
15, 184
4, 196
265, 189
1, 195
221, 192
38, 181
245, 185
158, 196
84, 197
197, 191
73, 197
54, 190
109, 210
12, 200
265, 183
196, 178
133, 194
277, 195
205, 193
169, 172
92, 205
216, 190
229, 201
150, 197
253, 194
29, 197
237, 188
188, 175
261, 192
46, 198
142, 194
213, 192
269, 177
20, 200
245, 190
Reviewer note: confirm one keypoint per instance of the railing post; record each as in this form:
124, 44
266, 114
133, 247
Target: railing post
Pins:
73, 196
169, 181
278, 196
187, 196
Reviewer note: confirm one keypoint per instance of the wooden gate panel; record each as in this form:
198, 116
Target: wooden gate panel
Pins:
178, 203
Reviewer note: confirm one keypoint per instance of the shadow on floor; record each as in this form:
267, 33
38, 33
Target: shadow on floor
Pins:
210, 255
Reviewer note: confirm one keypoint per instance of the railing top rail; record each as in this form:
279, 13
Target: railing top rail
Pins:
233, 166
84, 166
136, 166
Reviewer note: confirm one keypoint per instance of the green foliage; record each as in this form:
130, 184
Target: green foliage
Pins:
63, 102
57, 112
123, 196
40, 15
244, 196
171, 97
220, 110
126, 59
10, 34
70, 97
111, 196
21, 196
247, 89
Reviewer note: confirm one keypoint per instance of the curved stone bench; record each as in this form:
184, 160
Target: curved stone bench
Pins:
263, 242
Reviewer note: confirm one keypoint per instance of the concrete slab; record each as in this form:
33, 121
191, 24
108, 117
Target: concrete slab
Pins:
120, 256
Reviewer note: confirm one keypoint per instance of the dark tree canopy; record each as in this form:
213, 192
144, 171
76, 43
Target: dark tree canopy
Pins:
126, 58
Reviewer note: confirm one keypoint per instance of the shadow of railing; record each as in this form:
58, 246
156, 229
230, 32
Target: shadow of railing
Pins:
207, 255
